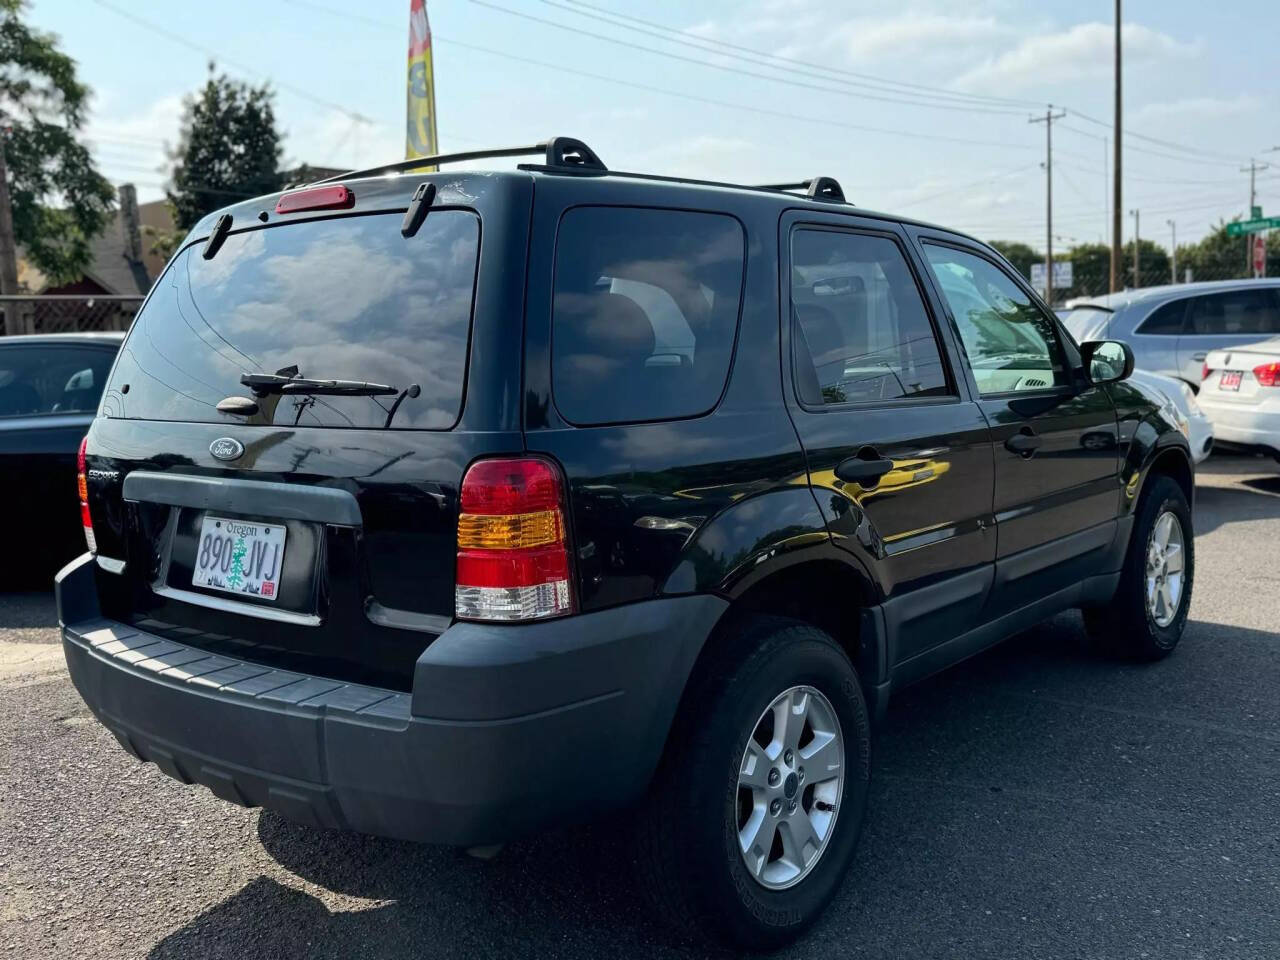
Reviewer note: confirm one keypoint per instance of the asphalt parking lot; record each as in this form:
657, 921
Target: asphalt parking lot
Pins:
1034, 802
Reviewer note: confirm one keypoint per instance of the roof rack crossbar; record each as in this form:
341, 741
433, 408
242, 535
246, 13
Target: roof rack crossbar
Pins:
558, 151
820, 188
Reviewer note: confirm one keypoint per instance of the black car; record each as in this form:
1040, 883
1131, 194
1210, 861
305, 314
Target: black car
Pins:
452, 506
49, 390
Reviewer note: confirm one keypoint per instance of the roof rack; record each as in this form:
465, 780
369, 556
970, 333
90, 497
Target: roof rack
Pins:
820, 188
559, 152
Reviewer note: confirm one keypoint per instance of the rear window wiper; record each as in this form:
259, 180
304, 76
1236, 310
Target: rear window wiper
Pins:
263, 384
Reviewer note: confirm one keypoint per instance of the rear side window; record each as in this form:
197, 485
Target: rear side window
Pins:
645, 312
54, 378
1237, 312
859, 323
1165, 320
346, 298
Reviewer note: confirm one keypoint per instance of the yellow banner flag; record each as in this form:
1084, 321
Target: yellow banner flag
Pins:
420, 132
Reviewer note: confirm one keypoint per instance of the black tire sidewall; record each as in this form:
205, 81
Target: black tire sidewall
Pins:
1151, 639
737, 904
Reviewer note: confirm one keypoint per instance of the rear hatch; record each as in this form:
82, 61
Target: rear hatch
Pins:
317, 531
1245, 376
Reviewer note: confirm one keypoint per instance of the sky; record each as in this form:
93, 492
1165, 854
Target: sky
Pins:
918, 107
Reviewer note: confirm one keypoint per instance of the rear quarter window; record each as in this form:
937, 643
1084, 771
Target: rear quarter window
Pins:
40, 379
645, 312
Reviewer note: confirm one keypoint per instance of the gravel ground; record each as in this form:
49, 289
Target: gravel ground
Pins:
1033, 802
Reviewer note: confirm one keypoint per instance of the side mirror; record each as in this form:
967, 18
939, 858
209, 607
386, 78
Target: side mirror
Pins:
1106, 361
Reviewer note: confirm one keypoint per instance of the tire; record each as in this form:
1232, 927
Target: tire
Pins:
692, 864
1128, 626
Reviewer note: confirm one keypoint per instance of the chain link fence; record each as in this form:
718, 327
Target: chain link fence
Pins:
66, 313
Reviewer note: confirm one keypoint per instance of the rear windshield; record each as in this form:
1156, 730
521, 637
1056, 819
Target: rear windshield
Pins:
341, 299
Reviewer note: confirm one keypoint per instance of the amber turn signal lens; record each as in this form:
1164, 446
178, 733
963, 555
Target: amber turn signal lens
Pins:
516, 531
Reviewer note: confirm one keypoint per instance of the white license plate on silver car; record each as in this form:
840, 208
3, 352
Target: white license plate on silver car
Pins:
239, 557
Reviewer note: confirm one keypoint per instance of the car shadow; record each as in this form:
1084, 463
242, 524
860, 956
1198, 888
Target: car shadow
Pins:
28, 610
1010, 783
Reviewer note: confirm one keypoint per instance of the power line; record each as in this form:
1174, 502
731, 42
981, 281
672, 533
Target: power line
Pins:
192, 45
807, 68
737, 70
763, 111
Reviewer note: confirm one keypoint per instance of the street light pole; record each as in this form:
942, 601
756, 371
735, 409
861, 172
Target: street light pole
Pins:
1116, 225
1047, 120
1136, 261
1173, 254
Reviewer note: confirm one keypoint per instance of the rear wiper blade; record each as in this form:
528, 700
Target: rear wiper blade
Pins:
263, 384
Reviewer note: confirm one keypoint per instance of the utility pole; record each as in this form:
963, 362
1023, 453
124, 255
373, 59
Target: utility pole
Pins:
1047, 120
1116, 225
1252, 170
1173, 252
8, 248
1136, 261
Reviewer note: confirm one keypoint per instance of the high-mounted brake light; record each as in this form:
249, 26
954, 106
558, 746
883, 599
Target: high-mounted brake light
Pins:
1267, 375
336, 197
82, 487
513, 547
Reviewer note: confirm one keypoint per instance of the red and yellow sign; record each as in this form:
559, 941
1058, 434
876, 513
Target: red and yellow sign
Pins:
420, 130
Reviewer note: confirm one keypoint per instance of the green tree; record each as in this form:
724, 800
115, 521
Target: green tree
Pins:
1153, 262
58, 199
1090, 270
1216, 256
1019, 254
229, 148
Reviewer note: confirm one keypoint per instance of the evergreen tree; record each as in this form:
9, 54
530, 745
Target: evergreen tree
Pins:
229, 148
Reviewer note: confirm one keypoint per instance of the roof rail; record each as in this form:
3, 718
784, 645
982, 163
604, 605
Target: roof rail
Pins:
820, 188
558, 151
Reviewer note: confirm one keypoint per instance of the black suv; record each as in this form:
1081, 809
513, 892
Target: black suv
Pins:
451, 506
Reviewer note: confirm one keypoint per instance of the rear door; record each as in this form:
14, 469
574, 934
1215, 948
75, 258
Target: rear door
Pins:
1155, 341
899, 455
1055, 438
316, 532
1232, 318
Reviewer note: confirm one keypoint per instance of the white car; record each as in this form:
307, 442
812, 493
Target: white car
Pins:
1182, 404
1241, 394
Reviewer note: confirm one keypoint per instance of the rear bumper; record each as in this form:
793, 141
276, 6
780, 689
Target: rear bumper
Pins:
1238, 423
508, 729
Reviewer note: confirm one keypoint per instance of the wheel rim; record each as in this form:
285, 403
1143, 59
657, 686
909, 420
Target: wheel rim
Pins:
790, 784
1166, 569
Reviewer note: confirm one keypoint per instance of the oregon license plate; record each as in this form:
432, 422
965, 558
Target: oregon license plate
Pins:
1230, 380
239, 557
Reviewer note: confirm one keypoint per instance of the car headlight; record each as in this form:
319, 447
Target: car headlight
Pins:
1189, 395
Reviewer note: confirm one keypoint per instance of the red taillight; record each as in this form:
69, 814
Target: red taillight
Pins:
335, 197
1204, 372
82, 487
513, 550
1267, 375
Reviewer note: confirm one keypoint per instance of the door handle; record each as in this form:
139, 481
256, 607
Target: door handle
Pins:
1024, 443
1202, 356
865, 469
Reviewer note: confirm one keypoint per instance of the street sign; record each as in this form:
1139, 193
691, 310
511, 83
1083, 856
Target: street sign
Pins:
1256, 214
1062, 275
1236, 228
1259, 255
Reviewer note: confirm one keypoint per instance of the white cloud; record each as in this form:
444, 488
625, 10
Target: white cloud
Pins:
917, 32
132, 147
1082, 51
1197, 108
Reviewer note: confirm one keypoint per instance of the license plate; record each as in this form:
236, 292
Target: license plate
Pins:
1230, 380
239, 557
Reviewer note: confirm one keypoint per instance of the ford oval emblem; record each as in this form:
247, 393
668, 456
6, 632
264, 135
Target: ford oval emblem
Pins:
225, 448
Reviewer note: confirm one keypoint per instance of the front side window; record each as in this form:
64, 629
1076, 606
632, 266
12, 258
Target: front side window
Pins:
645, 312
1011, 343
1237, 312
40, 379
859, 323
